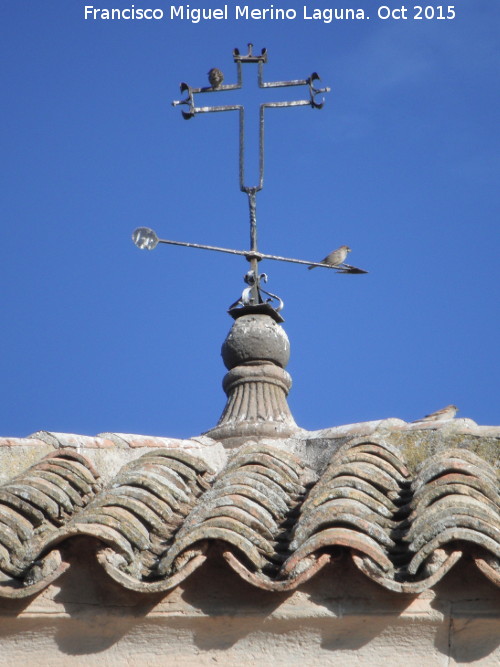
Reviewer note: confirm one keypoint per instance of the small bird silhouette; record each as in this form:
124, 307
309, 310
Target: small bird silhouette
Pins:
216, 77
448, 412
336, 257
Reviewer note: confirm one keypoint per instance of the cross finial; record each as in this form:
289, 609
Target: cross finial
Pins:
216, 78
252, 295
217, 87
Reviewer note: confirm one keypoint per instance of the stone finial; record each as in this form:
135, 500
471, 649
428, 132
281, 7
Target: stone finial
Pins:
255, 352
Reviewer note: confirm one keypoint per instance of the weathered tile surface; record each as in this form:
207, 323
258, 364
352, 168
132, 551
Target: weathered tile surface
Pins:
275, 519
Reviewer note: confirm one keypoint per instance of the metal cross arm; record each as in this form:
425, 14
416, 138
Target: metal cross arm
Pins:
147, 239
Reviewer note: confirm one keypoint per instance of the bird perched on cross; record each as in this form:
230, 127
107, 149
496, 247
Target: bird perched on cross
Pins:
215, 77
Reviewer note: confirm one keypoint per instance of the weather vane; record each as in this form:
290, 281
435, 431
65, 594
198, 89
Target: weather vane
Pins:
251, 297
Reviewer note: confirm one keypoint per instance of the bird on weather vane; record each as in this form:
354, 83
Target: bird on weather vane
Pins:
146, 238
335, 258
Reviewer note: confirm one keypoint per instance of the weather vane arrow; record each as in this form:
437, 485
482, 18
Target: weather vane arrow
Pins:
146, 238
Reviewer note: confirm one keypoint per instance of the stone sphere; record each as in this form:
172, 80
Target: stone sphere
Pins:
256, 338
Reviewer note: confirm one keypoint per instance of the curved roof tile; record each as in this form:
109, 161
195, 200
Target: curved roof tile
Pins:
166, 511
33, 506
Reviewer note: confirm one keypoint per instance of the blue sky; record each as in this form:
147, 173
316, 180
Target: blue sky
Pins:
401, 165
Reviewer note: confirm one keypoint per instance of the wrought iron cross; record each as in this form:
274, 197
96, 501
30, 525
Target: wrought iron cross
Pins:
261, 59
146, 238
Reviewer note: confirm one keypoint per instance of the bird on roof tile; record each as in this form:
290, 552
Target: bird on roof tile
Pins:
215, 77
448, 412
336, 257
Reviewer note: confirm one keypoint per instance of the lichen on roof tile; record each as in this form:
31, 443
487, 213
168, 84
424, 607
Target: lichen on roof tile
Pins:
275, 519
